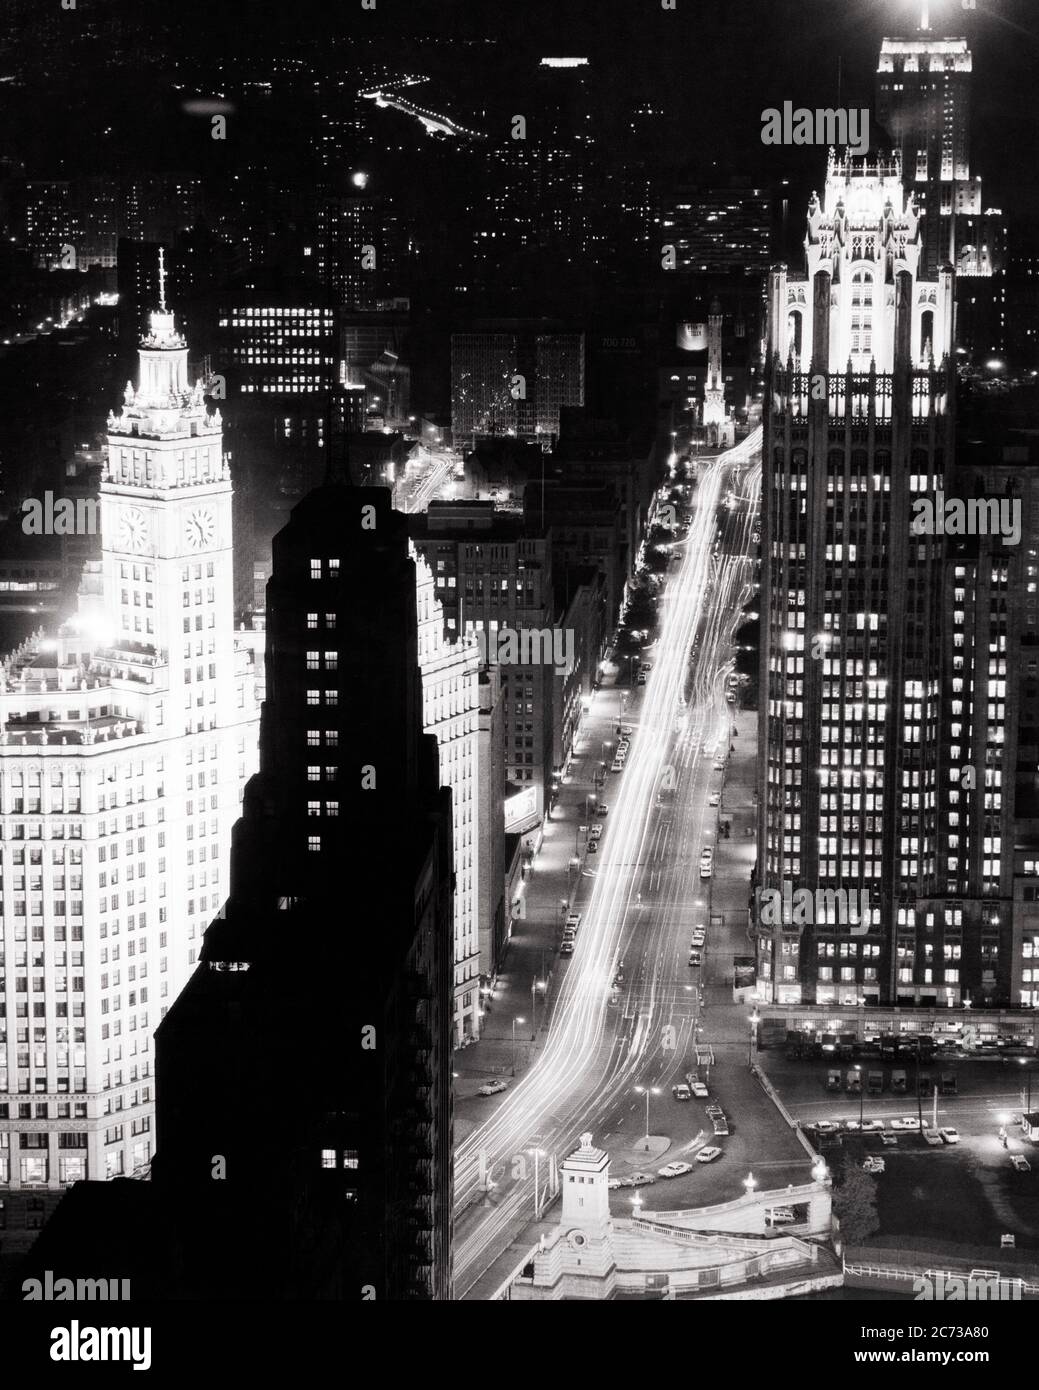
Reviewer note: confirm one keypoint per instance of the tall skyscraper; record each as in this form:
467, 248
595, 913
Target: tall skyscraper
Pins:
923, 102
858, 424
126, 738
328, 984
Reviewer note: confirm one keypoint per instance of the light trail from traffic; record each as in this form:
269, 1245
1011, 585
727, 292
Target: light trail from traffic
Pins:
584, 1067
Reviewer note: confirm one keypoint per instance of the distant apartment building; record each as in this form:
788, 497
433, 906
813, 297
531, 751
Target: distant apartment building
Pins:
585, 524
513, 379
494, 578
923, 102
718, 229
73, 224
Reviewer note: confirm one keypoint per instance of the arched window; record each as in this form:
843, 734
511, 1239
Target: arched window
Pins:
926, 335
862, 318
793, 328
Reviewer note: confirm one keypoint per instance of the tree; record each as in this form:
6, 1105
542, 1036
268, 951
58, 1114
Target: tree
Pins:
855, 1204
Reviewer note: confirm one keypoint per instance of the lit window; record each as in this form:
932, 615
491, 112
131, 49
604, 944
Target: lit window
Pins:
314, 844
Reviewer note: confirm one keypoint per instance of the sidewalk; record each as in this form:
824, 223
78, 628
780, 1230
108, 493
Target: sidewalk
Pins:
531, 955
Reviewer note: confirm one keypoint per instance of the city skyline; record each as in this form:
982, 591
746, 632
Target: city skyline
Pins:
519, 656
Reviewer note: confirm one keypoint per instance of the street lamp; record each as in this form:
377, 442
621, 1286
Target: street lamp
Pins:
753, 1020
647, 1091
750, 1182
1024, 1063
514, 1022
535, 984
820, 1172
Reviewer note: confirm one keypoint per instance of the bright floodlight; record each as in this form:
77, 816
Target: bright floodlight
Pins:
359, 180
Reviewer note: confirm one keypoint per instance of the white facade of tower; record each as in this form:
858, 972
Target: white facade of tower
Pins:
451, 710
126, 739
864, 232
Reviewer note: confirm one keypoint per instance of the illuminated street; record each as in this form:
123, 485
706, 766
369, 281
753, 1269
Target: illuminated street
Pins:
645, 892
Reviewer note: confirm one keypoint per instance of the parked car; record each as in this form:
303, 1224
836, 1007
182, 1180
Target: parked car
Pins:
596, 831
618, 766
852, 1126
714, 799
567, 948
695, 958
573, 920
707, 863
674, 1170
593, 847
641, 678
1020, 1162
720, 1125
719, 766
888, 1139
873, 1164
714, 1109
681, 1092
872, 1126
601, 808
826, 1127
709, 1154
950, 1135
641, 1179
699, 1089
910, 1122
780, 1216
493, 1088
1008, 1241
614, 1183
833, 1079
934, 1140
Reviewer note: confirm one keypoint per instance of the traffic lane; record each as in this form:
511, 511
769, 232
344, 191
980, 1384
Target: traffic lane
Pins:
558, 1066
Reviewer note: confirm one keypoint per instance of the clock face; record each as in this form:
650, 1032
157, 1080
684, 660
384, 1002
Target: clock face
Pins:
200, 529
133, 530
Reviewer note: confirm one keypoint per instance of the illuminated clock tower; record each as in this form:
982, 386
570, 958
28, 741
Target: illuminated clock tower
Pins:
166, 529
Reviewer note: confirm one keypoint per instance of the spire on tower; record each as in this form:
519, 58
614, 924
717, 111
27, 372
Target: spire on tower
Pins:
162, 281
